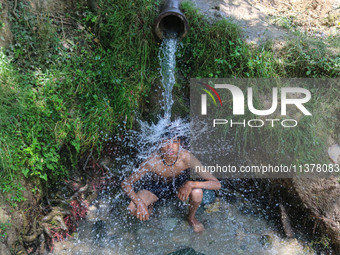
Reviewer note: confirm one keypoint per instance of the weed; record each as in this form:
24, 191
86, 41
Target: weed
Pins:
61, 94
3, 228
59, 97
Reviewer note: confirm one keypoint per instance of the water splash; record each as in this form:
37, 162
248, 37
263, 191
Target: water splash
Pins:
149, 136
108, 231
167, 58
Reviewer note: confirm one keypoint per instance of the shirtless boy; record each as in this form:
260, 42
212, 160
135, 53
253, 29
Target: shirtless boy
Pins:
168, 163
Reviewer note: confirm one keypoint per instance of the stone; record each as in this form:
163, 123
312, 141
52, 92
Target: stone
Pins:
185, 251
4, 250
334, 153
266, 240
170, 224
4, 217
208, 197
214, 207
99, 231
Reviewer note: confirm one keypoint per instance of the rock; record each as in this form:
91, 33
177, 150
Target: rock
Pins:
181, 238
334, 153
286, 222
107, 163
170, 224
185, 251
240, 235
92, 213
321, 198
4, 250
266, 240
208, 197
4, 217
215, 207
99, 230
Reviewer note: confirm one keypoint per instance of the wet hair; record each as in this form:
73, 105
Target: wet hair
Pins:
169, 134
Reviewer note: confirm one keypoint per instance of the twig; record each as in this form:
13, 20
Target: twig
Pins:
14, 8
79, 192
87, 160
286, 222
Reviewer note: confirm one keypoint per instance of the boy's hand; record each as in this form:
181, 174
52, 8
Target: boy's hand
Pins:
184, 191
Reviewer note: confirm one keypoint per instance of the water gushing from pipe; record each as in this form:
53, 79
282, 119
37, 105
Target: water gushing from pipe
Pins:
167, 57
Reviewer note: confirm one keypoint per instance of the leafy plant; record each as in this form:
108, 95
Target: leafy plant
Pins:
3, 228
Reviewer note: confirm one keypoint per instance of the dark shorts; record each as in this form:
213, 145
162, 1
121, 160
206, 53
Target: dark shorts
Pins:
163, 189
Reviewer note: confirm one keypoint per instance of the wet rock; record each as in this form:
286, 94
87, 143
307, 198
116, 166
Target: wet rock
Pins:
214, 207
208, 197
146, 231
4, 218
107, 163
240, 235
186, 251
82, 249
99, 231
170, 224
321, 197
63, 248
15, 221
181, 238
266, 240
92, 213
243, 247
286, 222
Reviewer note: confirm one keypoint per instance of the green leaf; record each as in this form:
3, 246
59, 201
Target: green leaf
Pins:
25, 171
43, 176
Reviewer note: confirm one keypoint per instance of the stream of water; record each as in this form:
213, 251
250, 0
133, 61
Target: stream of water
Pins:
229, 229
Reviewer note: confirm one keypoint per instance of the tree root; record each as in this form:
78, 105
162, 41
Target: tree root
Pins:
14, 8
47, 230
31, 238
79, 192
93, 196
61, 222
52, 214
42, 246
286, 222
36, 233
55, 225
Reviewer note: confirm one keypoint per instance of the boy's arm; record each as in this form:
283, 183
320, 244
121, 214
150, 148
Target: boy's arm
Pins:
127, 184
211, 182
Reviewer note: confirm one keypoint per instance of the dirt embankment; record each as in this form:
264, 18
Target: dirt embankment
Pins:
274, 20
263, 20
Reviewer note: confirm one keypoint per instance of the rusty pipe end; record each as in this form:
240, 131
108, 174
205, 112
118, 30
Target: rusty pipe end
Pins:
171, 21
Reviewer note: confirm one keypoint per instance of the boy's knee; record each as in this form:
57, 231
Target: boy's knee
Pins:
196, 195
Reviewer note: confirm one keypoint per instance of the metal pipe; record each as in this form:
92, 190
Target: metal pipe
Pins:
171, 22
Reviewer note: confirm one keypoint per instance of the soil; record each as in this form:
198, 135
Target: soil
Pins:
6, 36
263, 20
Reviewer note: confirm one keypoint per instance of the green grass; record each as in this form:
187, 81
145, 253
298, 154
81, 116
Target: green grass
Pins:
60, 96
215, 50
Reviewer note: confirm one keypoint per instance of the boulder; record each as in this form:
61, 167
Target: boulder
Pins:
320, 198
185, 251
